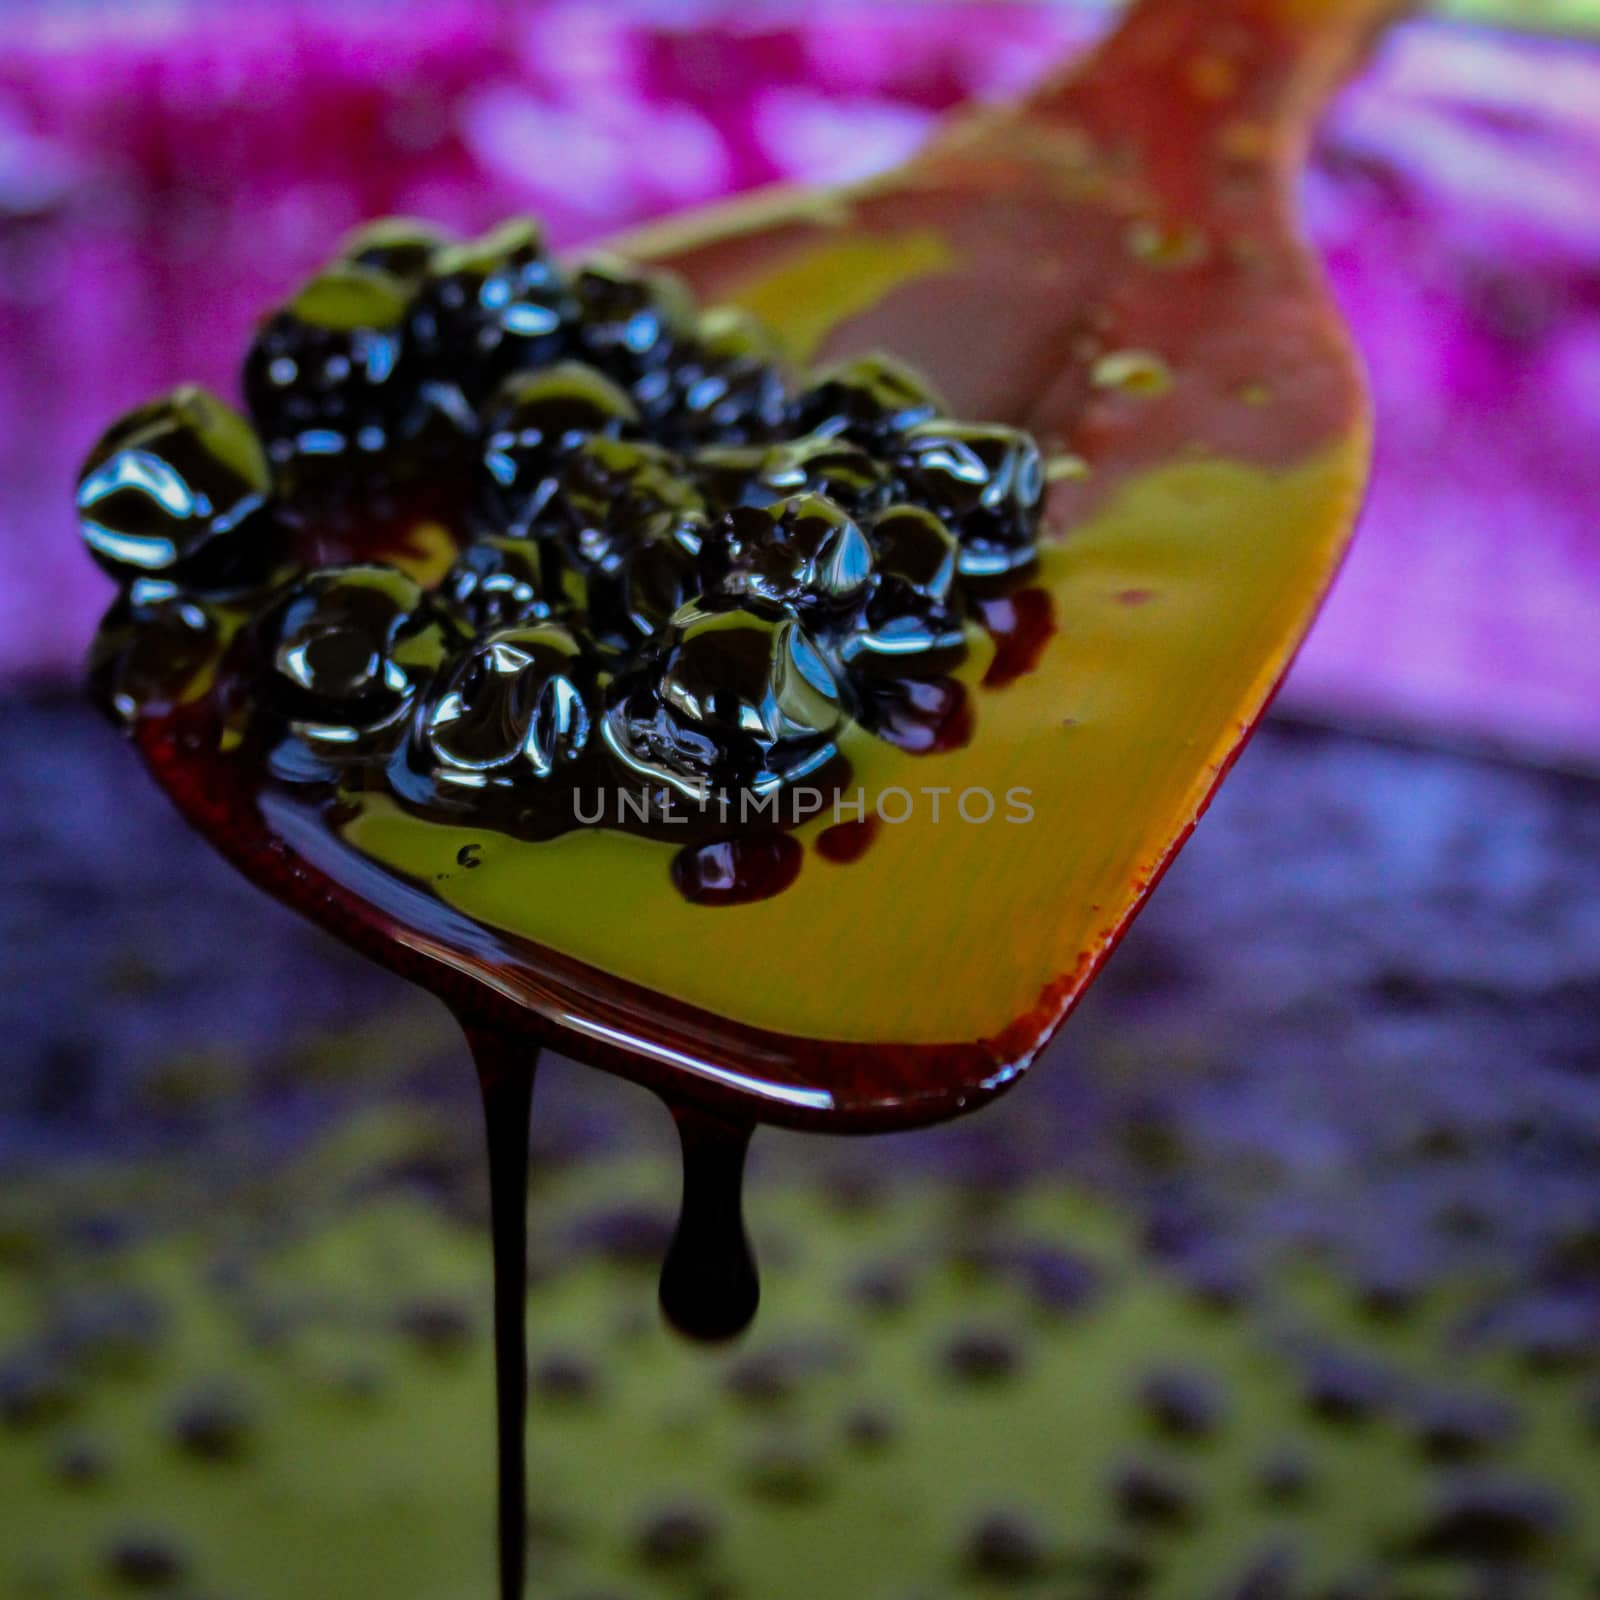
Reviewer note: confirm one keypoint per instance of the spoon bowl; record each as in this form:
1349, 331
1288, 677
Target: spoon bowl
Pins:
1111, 263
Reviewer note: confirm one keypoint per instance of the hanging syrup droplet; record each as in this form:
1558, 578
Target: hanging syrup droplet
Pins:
709, 1286
505, 1077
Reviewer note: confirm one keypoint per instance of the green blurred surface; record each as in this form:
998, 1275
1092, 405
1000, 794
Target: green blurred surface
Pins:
341, 1301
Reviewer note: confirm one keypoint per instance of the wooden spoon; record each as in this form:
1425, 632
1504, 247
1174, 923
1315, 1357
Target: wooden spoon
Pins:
1113, 264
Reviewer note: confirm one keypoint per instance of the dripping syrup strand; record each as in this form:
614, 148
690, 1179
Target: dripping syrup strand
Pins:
709, 1284
505, 1078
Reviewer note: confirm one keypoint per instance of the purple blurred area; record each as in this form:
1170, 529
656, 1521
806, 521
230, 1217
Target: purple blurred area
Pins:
166, 172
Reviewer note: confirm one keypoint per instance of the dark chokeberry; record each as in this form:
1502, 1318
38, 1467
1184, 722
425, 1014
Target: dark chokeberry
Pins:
910, 623
736, 695
322, 374
145, 655
178, 490
535, 421
517, 705
757, 475
503, 582
868, 400
616, 493
729, 387
630, 526
805, 553
347, 650
985, 481
631, 322
491, 306
651, 578
404, 247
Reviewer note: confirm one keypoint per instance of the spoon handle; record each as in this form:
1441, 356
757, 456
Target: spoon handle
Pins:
1249, 72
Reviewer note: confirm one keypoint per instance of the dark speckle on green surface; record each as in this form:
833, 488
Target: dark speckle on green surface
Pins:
1344, 1388
677, 1536
146, 1560
880, 1287
1286, 1475
780, 1371
564, 1377
981, 1355
1007, 1546
437, 1327
1157, 1492
79, 1459
629, 1235
215, 1422
1492, 1519
1268, 1576
115, 1330
1181, 1403
870, 1429
1456, 1426
785, 1469
35, 1387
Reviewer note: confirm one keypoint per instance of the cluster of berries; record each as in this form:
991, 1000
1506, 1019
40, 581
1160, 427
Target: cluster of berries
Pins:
673, 558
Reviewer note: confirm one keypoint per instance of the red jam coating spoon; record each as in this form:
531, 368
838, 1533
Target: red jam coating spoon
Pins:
1112, 264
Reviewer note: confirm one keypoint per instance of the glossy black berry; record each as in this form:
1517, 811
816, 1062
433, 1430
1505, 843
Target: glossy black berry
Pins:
516, 705
805, 553
178, 490
985, 481
868, 399
502, 582
617, 493
145, 655
631, 322
405, 247
735, 696
650, 578
489, 307
346, 650
915, 550
911, 622
321, 378
629, 526
757, 475
535, 421
729, 387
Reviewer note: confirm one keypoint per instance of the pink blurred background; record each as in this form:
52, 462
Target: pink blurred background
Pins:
168, 170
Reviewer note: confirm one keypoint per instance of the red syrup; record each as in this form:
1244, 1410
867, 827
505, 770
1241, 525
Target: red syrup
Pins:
922, 716
1021, 624
731, 872
845, 842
